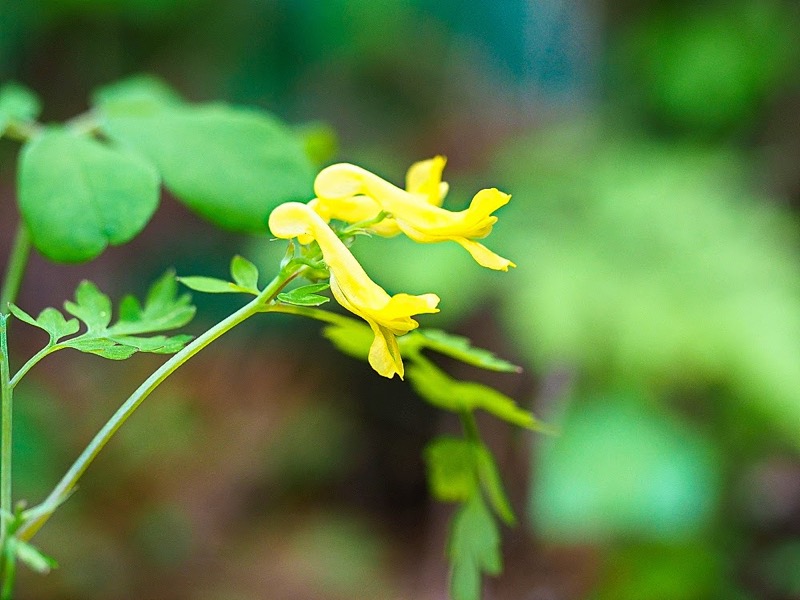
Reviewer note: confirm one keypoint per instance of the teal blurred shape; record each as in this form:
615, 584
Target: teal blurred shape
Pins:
622, 468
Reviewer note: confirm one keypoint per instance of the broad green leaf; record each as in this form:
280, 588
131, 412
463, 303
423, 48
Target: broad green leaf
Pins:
33, 557
244, 273
17, 103
460, 348
230, 165
78, 195
473, 549
452, 473
353, 339
305, 295
443, 391
491, 483
209, 285
157, 344
141, 94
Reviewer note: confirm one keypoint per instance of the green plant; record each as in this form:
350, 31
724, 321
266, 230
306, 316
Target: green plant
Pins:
94, 181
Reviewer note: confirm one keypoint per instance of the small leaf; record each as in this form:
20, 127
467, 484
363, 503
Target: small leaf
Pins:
244, 273
305, 295
17, 103
91, 306
451, 469
491, 483
33, 557
230, 165
163, 310
54, 323
209, 285
105, 347
353, 339
443, 391
460, 348
23, 316
473, 549
78, 195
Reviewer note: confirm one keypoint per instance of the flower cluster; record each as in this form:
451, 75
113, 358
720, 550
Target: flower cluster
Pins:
351, 194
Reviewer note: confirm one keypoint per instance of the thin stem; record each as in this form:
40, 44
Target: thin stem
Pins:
308, 311
38, 515
15, 268
23, 370
6, 405
9, 571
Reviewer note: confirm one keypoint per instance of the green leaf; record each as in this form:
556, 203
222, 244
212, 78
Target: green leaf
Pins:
50, 320
305, 295
353, 339
141, 94
244, 273
91, 306
473, 549
230, 165
451, 469
33, 557
23, 316
77, 195
460, 348
17, 103
447, 393
491, 483
163, 310
209, 285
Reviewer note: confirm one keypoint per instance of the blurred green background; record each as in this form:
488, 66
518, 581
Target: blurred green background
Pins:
653, 153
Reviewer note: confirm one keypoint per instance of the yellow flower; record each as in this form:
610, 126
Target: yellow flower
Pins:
416, 210
423, 180
388, 316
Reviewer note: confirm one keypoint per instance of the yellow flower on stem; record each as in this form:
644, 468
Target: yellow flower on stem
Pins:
416, 213
388, 316
423, 180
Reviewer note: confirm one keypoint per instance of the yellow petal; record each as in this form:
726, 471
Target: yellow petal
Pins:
485, 257
425, 178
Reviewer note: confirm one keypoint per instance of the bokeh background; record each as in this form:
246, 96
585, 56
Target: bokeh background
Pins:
653, 152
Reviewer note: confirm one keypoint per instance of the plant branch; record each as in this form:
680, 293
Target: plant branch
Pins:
38, 515
15, 268
6, 405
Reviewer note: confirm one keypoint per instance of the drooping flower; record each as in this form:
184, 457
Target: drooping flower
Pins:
388, 316
415, 211
423, 180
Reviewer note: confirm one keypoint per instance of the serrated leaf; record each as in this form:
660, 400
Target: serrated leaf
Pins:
209, 285
353, 339
461, 348
78, 195
492, 484
17, 103
141, 94
33, 557
157, 344
163, 310
473, 549
244, 273
452, 473
305, 295
54, 323
105, 347
230, 165
443, 391
91, 306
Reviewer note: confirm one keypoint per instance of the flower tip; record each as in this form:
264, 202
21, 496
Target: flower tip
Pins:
341, 180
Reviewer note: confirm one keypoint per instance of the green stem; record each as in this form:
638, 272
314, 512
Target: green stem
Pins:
470, 426
23, 370
37, 516
310, 312
15, 267
9, 571
6, 405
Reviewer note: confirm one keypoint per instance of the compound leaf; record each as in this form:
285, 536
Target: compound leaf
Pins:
473, 549
305, 295
244, 274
